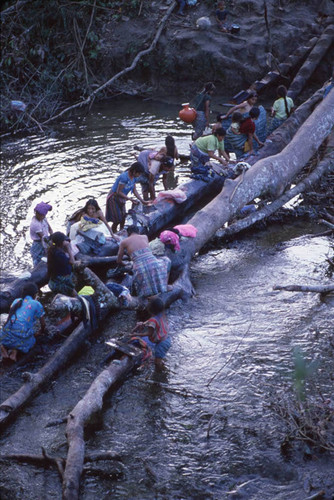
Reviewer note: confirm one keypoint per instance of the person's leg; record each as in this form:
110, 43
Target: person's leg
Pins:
12, 354
4, 352
182, 4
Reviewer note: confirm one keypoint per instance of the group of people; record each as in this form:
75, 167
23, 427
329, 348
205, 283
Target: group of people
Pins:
240, 136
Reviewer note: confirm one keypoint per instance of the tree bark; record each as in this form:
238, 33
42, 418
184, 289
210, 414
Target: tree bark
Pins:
282, 69
269, 175
90, 404
326, 165
312, 62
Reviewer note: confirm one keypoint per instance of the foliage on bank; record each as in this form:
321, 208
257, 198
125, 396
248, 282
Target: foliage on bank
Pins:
51, 54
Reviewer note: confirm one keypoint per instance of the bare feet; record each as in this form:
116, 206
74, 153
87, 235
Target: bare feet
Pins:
12, 354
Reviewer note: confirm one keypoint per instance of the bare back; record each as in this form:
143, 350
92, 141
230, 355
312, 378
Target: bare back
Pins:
131, 244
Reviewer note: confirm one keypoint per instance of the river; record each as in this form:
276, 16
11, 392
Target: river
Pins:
208, 426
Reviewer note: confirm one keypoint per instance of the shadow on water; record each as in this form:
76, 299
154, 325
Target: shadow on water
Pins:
204, 428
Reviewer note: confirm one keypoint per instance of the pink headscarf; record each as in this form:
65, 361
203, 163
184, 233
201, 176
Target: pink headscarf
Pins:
170, 238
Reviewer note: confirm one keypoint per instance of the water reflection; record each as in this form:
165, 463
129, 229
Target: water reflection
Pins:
81, 161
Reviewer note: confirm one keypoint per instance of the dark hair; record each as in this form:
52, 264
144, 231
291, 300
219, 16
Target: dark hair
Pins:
136, 167
28, 288
252, 94
92, 202
170, 146
132, 229
156, 306
236, 116
219, 117
219, 131
58, 239
174, 230
254, 112
282, 92
208, 87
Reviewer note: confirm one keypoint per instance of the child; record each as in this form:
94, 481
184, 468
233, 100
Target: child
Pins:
236, 122
155, 331
39, 229
18, 333
221, 15
282, 108
219, 122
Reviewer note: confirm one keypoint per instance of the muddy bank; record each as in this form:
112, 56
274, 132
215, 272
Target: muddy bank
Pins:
186, 56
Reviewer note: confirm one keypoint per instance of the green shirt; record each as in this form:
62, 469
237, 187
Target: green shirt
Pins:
209, 143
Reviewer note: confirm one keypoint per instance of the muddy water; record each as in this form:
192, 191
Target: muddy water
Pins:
205, 428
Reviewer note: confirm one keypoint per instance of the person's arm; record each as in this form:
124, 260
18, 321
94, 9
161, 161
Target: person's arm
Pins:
68, 250
215, 157
120, 193
50, 228
230, 111
260, 143
120, 252
207, 111
223, 153
104, 220
176, 153
137, 195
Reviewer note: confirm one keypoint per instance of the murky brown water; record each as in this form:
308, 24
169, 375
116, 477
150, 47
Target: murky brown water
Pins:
204, 428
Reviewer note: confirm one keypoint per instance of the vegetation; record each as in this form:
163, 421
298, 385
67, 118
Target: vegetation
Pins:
51, 53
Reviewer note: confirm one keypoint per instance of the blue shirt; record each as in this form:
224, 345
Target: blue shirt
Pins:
124, 178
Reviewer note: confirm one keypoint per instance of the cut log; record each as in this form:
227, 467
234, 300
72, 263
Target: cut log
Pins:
308, 68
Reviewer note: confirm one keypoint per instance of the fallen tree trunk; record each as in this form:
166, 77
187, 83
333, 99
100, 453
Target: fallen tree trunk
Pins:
326, 165
90, 404
282, 69
269, 175
306, 288
308, 68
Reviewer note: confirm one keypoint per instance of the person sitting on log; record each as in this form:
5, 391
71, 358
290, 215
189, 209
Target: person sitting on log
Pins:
60, 265
281, 109
154, 331
150, 273
221, 15
243, 143
118, 195
203, 150
40, 229
154, 164
90, 217
244, 107
18, 333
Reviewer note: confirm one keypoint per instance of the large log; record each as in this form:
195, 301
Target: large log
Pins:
325, 166
89, 405
269, 175
308, 68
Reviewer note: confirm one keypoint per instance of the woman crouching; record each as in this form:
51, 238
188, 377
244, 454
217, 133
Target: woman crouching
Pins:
60, 265
18, 333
